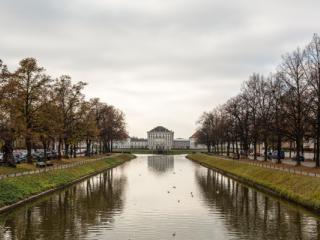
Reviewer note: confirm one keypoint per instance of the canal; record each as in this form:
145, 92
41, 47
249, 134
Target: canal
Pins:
159, 197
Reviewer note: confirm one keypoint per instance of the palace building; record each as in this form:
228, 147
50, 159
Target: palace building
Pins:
160, 139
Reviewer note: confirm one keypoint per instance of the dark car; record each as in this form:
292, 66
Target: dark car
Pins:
19, 157
52, 154
275, 154
38, 156
301, 158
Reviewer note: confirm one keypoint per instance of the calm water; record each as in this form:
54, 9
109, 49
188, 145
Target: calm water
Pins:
159, 197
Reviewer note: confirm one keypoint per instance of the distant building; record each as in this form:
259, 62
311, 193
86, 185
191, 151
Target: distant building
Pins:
132, 142
194, 142
138, 143
160, 139
181, 143
123, 144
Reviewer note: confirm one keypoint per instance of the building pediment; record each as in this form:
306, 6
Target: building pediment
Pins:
159, 129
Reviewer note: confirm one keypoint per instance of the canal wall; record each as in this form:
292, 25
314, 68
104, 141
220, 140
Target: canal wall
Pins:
21, 189
302, 190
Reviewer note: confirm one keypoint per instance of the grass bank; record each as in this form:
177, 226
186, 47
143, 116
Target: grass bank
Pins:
304, 190
13, 190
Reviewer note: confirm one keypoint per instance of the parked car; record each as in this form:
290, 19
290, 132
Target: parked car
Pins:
38, 155
301, 158
20, 157
1, 158
275, 155
52, 154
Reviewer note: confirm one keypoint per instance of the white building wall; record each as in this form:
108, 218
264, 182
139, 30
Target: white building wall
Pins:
160, 140
195, 145
121, 144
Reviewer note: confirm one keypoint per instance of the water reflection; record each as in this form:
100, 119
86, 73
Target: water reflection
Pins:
68, 214
252, 214
160, 163
159, 197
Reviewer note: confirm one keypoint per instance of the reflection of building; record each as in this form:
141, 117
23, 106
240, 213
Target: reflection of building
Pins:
181, 143
161, 163
160, 139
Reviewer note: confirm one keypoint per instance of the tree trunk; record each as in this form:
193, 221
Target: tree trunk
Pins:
255, 149
228, 148
74, 151
44, 144
59, 149
298, 150
88, 151
100, 146
233, 147
29, 148
290, 149
8, 152
66, 150
71, 151
237, 149
265, 148
279, 148
317, 152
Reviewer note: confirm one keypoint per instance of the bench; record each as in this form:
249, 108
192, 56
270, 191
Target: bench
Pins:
235, 156
49, 163
40, 164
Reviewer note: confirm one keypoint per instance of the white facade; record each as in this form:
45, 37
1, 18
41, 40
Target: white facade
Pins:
138, 143
131, 143
160, 139
123, 144
194, 142
181, 143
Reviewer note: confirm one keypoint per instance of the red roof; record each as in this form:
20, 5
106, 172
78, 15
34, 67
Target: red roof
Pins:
195, 135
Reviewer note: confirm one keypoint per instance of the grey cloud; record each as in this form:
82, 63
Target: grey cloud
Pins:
184, 56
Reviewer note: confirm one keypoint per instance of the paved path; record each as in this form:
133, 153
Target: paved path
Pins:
47, 169
286, 166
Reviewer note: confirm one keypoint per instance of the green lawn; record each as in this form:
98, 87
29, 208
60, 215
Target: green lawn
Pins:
20, 168
304, 190
18, 188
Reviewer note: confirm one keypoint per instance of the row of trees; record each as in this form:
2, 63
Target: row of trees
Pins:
53, 112
284, 106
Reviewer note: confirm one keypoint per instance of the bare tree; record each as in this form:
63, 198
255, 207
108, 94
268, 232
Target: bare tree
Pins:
313, 73
297, 105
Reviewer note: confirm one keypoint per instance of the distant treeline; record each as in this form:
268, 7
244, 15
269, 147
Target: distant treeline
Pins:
53, 111
283, 106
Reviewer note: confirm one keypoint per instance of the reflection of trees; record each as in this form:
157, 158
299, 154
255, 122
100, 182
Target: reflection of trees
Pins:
251, 214
161, 163
69, 213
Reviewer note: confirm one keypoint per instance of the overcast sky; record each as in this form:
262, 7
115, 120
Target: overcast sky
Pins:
163, 62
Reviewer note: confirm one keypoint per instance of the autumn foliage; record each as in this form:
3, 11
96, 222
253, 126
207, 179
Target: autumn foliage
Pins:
53, 113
